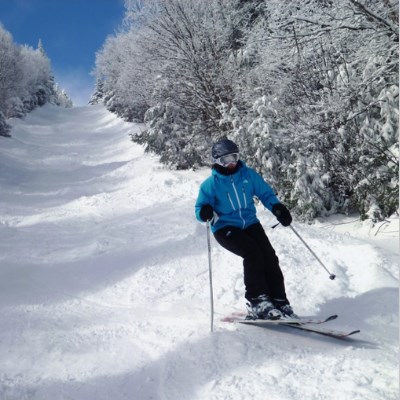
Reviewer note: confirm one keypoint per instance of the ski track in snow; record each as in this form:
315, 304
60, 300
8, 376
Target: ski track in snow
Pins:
104, 289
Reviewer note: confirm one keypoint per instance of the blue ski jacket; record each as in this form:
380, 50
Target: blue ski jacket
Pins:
232, 197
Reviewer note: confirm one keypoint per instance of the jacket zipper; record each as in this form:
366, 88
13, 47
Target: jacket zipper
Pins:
229, 197
244, 196
238, 200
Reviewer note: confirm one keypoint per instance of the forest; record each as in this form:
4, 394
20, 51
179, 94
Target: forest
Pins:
308, 90
26, 80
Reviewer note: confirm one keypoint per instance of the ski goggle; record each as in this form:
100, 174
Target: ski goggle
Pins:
227, 159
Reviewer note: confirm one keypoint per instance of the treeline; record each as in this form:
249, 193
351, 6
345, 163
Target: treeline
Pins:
26, 81
308, 89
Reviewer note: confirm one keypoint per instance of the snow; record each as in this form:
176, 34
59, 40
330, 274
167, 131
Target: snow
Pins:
104, 290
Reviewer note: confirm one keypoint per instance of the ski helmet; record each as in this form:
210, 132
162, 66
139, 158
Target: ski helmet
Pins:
222, 148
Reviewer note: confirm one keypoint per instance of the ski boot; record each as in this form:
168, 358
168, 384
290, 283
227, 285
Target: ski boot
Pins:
285, 308
262, 308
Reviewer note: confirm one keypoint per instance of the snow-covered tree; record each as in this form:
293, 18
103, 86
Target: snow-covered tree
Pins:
61, 97
308, 90
339, 59
26, 80
11, 70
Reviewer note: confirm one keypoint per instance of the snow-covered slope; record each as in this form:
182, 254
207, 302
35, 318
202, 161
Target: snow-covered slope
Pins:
104, 282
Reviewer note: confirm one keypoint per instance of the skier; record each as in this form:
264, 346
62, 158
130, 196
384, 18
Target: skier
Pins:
226, 199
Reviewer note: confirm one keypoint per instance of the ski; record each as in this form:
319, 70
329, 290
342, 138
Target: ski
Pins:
240, 317
289, 321
301, 323
339, 334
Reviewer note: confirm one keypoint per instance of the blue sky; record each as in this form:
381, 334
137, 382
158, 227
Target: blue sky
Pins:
71, 32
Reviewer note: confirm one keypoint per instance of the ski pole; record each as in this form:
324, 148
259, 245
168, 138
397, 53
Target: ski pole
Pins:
331, 276
210, 275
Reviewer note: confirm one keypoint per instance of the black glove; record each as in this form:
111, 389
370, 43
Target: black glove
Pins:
282, 214
206, 213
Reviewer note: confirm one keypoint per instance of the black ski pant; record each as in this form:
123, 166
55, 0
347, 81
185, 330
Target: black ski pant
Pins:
262, 274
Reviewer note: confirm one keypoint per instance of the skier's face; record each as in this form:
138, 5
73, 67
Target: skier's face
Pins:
231, 166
